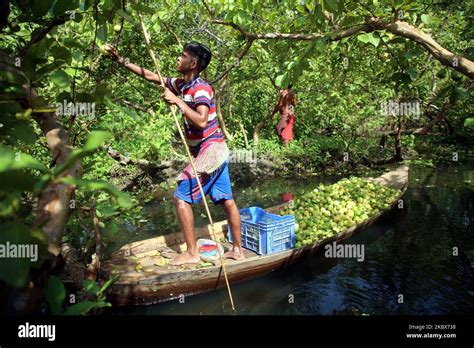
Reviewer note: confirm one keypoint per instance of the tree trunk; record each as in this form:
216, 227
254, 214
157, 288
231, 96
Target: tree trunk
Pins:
244, 132
55, 199
398, 143
217, 94
94, 267
53, 204
256, 134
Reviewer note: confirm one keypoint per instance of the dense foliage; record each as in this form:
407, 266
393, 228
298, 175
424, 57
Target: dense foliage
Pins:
55, 171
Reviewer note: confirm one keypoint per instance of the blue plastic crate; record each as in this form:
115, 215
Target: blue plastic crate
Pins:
266, 233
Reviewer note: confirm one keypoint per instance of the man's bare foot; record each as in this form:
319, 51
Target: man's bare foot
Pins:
235, 254
185, 258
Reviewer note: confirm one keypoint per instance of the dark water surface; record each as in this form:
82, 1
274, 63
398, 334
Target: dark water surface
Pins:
408, 256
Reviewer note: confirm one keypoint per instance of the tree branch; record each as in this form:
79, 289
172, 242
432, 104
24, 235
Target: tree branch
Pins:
399, 28
236, 61
176, 37
93, 268
41, 33
446, 57
308, 37
144, 164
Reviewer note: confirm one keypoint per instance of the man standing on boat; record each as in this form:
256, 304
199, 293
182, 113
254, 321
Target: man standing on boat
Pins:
285, 105
194, 97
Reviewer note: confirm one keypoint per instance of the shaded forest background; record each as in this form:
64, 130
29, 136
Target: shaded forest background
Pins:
64, 177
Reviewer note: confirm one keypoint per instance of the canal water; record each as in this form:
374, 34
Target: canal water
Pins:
418, 260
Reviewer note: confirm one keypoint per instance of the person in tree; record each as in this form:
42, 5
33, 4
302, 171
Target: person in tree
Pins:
286, 104
194, 97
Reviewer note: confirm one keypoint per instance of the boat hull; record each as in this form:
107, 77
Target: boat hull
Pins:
134, 289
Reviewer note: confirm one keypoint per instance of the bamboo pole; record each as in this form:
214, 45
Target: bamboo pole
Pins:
173, 111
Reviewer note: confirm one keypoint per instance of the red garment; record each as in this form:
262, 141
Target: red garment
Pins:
285, 127
287, 196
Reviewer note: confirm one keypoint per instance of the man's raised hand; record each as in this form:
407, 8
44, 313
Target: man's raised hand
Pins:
110, 51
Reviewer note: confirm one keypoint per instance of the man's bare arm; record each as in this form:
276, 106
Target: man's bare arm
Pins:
138, 70
198, 118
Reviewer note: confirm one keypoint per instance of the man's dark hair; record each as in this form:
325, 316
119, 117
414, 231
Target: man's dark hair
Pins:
290, 86
201, 52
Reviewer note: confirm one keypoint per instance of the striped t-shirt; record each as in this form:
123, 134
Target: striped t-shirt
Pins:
207, 145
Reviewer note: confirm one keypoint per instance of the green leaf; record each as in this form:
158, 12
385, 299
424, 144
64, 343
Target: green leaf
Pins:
127, 17
107, 284
301, 8
351, 20
127, 111
469, 122
457, 93
318, 12
398, 3
100, 93
11, 160
11, 108
61, 53
14, 270
40, 8
91, 287
61, 6
71, 43
55, 294
123, 199
25, 132
427, 19
106, 210
13, 76
143, 8
88, 4
60, 79
462, 92
10, 204
78, 56
331, 5
82, 308
16, 180
95, 139
369, 37
282, 80
291, 65
412, 72
102, 33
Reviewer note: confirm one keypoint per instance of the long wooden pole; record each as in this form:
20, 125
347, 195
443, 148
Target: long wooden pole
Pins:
173, 111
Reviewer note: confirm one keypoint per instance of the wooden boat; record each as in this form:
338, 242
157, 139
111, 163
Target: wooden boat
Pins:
143, 278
